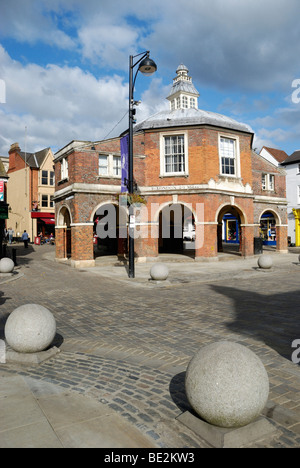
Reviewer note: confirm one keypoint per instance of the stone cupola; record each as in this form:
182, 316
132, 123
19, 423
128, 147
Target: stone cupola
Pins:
183, 94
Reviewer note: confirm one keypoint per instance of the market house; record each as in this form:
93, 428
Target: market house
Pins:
195, 162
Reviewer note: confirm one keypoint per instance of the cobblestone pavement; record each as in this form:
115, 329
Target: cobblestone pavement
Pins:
127, 343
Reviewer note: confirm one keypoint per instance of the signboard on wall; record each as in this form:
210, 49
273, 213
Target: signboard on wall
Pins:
1, 191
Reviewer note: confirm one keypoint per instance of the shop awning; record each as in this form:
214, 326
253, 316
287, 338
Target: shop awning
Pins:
47, 220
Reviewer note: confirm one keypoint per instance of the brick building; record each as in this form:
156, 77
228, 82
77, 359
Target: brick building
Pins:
29, 192
191, 168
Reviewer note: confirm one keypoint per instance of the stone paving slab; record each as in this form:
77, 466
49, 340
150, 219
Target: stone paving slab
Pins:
126, 345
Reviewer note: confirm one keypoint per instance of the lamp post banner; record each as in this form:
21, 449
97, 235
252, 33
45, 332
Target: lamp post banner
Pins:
124, 163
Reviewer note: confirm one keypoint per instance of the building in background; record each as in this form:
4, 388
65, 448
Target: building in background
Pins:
292, 168
3, 204
273, 155
29, 192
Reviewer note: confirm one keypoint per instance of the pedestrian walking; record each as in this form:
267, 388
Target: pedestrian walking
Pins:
10, 235
25, 239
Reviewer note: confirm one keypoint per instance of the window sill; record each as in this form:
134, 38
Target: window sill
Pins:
108, 177
230, 177
62, 181
174, 174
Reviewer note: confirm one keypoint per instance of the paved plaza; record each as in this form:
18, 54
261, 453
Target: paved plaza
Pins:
118, 380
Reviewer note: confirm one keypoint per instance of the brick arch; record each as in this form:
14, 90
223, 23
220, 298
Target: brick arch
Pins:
164, 205
233, 209
64, 215
273, 212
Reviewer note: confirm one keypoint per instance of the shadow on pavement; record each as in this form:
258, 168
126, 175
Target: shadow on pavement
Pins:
272, 319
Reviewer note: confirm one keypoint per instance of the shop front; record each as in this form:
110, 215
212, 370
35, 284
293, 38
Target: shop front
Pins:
268, 229
43, 224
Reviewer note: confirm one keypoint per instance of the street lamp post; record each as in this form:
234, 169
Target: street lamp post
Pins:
146, 66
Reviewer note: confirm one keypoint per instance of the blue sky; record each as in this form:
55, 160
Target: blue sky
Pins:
64, 64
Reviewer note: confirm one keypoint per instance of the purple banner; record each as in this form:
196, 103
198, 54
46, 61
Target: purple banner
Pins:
124, 163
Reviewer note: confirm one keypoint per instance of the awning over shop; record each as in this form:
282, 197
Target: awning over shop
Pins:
47, 220
41, 214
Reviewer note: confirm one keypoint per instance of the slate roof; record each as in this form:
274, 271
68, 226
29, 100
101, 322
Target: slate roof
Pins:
294, 158
34, 160
186, 117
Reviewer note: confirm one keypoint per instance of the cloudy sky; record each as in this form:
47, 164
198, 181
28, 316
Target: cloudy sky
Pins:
64, 66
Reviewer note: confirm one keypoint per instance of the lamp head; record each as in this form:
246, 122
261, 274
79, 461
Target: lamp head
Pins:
147, 66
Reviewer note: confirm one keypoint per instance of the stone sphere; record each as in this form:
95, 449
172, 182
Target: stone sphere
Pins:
159, 272
227, 384
30, 328
265, 262
6, 265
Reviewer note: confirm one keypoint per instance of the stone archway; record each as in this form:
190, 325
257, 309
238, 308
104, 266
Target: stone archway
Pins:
176, 230
63, 234
237, 219
110, 229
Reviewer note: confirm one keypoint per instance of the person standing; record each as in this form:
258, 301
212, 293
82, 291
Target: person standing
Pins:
25, 239
10, 235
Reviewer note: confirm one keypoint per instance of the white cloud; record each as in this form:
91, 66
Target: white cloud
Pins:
58, 104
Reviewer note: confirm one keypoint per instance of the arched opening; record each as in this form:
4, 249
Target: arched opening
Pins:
267, 226
64, 219
229, 231
177, 230
110, 231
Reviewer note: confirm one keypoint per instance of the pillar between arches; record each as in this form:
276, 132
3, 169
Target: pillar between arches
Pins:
247, 240
206, 241
82, 255
282, 239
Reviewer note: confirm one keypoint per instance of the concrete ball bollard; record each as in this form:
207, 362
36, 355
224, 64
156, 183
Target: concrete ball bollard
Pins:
30, 328
265, 262
227, 384
159, 272
6, 265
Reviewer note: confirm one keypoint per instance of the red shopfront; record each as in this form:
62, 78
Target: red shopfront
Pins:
45, 223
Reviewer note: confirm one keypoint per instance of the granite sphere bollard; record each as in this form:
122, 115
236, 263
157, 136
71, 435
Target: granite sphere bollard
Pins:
30, 328
159, 272
265, 262
6, 265
227, 384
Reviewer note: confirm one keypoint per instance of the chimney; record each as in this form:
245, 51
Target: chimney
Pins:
14, 149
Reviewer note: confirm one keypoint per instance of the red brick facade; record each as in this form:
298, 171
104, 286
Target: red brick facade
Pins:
194, 161
203, 190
